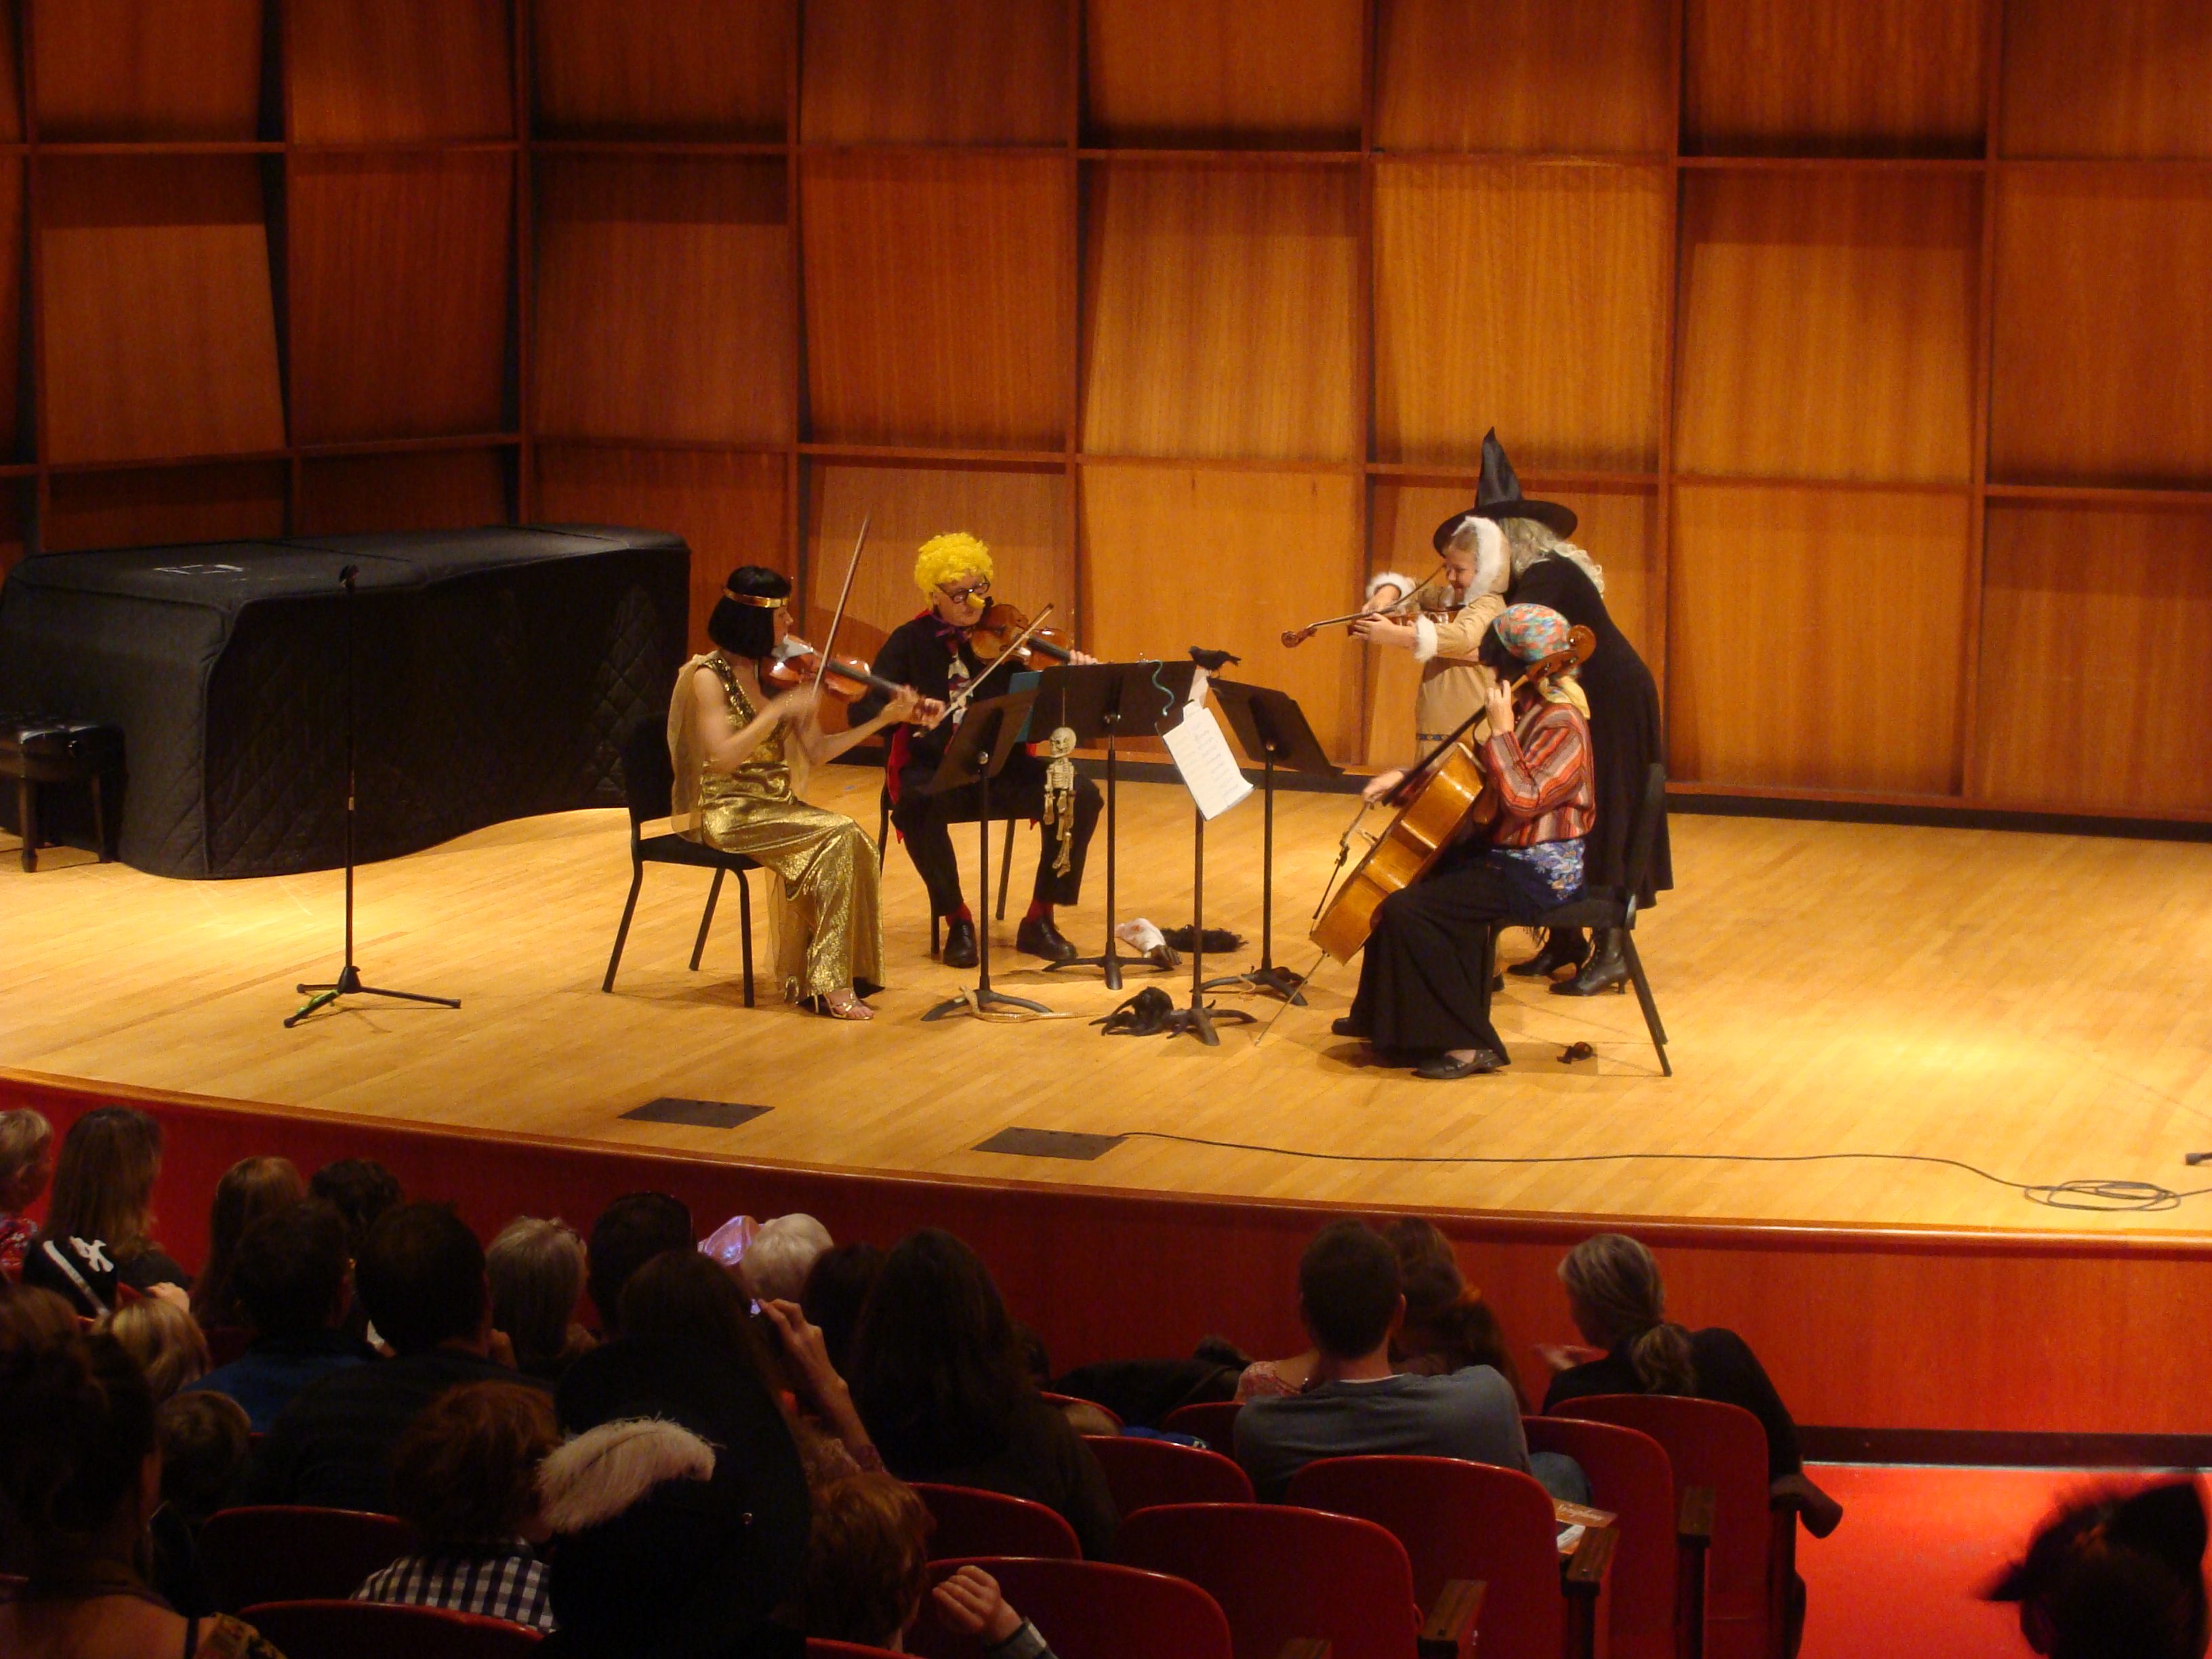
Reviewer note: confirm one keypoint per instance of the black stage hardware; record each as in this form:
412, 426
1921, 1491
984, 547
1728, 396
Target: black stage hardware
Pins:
348, 982
978, 752
1202, 1018
1050, 1143
1271, 724
1096, 699
699, 1113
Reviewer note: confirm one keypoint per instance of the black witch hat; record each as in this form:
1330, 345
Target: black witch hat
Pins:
1498, 497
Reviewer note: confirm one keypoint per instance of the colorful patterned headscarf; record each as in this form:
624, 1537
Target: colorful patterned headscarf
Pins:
1533, 632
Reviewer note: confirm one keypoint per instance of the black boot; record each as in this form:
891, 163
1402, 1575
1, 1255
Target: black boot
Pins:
1606, 970
960, 942
1564, 947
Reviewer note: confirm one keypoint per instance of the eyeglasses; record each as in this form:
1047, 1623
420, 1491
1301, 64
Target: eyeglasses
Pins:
974, 590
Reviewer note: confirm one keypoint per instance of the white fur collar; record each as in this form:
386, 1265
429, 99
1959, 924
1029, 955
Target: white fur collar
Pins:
604, 1471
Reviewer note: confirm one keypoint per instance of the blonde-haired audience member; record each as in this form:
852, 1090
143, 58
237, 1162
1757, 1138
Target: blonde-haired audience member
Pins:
166, 1341
26, 1164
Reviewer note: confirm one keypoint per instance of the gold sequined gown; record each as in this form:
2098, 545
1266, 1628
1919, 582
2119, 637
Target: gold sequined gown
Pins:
821, 905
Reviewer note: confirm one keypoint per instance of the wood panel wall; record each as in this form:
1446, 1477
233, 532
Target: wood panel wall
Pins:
1855, 330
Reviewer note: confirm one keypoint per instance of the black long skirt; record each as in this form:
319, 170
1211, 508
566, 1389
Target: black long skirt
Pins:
1424, 983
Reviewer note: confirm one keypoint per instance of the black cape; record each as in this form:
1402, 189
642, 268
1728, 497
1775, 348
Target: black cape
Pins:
1626, 731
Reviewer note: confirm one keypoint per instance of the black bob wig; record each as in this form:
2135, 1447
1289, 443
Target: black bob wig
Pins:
748, 631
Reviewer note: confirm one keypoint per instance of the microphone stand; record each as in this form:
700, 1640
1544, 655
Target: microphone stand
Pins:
348, 983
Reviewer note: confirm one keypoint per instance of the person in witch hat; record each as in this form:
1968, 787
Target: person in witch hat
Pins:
1627, 735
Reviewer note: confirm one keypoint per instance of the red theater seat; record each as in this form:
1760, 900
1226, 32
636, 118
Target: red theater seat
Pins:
1090, 1610
376, 1630
971, 1521
290, 1553
1629, 1475
1751, 1563
1145, 1472
1284, 1575
1213, 1422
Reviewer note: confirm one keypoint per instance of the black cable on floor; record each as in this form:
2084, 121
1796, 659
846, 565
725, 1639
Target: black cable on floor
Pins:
2102, 1196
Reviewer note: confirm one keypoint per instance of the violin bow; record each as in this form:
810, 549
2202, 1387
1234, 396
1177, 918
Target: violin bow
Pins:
830, 641
1020, 639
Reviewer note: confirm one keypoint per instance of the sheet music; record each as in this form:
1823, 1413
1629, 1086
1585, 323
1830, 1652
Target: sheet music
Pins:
1208, 766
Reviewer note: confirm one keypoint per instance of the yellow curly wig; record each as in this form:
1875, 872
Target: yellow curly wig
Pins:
953, 554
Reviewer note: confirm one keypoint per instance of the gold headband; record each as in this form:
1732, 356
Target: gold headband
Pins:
754, 599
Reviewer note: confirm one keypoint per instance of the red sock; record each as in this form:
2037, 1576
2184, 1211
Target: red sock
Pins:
963, 913
1038, 910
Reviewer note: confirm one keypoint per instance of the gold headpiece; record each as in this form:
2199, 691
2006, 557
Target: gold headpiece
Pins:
754, 599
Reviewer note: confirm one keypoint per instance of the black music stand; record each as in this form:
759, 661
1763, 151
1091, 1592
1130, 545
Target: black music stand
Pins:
1270, 725
1096, 699
1200, 1018
988, 733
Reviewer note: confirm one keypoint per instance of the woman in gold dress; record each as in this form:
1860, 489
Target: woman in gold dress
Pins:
742, 753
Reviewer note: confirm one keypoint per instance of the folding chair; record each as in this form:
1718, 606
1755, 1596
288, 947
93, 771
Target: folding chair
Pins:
1616, 906
649, 781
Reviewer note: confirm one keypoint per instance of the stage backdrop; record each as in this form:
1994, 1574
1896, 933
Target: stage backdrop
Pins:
1868, 337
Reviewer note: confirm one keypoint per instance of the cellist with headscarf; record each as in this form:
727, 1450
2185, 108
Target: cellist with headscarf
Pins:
1423, 993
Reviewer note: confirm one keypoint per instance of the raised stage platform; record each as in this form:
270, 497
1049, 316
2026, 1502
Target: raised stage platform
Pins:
2031, 1005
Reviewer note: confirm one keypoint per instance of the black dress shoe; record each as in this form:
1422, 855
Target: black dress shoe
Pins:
1345, 1027
1037, 937
1443, 1068
1606, 970
960, 943
1564, 947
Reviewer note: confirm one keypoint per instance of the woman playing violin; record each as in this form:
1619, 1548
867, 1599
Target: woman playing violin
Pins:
1451, 611
1423, 990
934, 653
741, 753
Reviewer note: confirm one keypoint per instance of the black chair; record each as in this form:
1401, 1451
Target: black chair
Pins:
649, 781
1005, 859
1616, 906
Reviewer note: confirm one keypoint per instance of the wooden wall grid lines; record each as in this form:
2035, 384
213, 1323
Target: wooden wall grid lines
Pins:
1784, 138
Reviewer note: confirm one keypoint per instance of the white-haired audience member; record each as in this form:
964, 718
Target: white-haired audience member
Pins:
782, 1253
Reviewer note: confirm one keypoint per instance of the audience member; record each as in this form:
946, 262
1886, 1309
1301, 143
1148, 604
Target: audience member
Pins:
421, 1278
1617, 1302
783, 1252
1448, 1326
1353, 1403
26, 1165
867, 1576
99, 1230
465, 1474
81, 1478
2116, 1576
836, 1285
203, 1439
942, 1388
249, 1189
290, 1274
166, 1341
677, 1508
537, 1270
363, 1192
684, 1295
630, 1233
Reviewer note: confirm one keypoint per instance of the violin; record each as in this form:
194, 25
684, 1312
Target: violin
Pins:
1002, 624
796, 663
1438, 804
1402, 606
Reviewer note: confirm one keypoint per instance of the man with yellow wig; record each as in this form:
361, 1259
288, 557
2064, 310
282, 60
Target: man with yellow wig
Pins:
931, 653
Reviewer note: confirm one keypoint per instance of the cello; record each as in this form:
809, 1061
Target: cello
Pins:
1436, 805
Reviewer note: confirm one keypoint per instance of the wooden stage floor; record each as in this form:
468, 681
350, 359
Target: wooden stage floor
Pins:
2034, 1004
